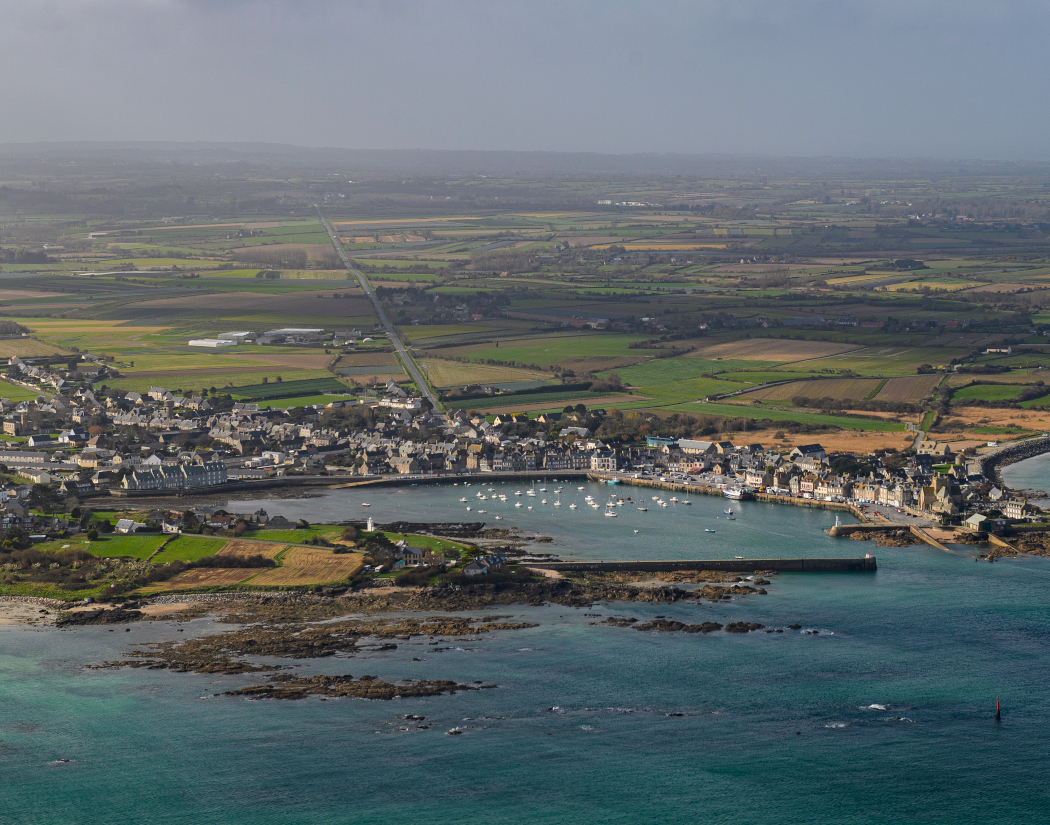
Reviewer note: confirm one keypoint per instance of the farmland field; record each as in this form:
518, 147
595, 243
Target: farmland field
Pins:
188, 548
310, 565
455, 374
203, 577
909, 390
838, 389
989, 392
773, 350
138, 547
244, 548
555, 404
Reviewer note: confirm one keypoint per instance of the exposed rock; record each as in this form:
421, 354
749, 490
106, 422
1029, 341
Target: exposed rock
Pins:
743, 627
284, 686
101, 616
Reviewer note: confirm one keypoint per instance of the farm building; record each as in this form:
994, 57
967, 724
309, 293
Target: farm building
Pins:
212, 342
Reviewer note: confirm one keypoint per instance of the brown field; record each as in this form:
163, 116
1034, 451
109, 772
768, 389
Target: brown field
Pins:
1033, 377
836, 388
204, 577
1032, 419
243, 547
372, 378
772, 349
455, 374
368, 359
999, 288
591, 403
310, 565
18, 294
175, 372
23, 347
263, 225
832, 441
910, 390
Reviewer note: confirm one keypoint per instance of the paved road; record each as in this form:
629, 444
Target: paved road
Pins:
391, 330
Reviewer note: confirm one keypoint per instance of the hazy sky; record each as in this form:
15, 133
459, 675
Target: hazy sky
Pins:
934, 78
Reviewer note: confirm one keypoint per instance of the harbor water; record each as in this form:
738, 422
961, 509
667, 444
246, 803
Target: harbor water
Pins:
880, 709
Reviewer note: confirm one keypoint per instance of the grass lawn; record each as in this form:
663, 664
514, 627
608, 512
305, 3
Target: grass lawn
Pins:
138, 547
189, 548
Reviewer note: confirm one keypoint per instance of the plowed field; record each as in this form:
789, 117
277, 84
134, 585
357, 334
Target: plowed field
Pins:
204, 577
241, 547
310, 565
909, 390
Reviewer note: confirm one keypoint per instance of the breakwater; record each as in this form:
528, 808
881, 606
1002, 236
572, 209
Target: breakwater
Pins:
725, 565
992, 464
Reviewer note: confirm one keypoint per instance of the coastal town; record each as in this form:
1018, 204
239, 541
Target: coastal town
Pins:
88, 444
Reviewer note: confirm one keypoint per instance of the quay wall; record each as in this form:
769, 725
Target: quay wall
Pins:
726, 565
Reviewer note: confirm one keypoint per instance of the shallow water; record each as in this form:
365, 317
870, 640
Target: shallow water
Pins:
883, 716
1030, 474
674, 532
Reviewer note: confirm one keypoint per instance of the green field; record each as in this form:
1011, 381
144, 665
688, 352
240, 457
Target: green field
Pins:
288, 389
846, 422
138, 547
989, 392
189, 548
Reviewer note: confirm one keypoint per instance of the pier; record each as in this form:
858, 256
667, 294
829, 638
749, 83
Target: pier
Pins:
867, 564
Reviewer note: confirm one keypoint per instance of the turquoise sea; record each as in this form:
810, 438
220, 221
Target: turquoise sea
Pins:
885, 715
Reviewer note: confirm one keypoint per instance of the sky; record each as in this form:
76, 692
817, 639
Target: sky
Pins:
803, 78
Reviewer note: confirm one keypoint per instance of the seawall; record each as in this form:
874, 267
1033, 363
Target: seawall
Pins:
726, 565
992, 465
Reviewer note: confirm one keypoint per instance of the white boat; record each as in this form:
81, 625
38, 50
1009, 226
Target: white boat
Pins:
491, 490
738, 557
363, 504
644, 509
481, 511
530, 506
498, 518
543, 489
728, 512
530, 493
518, 493
483, 498
468, 509
544, 501
610, 514
557, 504
708, 530
685, 501
581, 488
463, 499
674, 498
636, 531
572, 506
518, 504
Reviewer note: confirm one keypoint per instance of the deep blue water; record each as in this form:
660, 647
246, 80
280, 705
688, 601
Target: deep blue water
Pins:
885, 716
